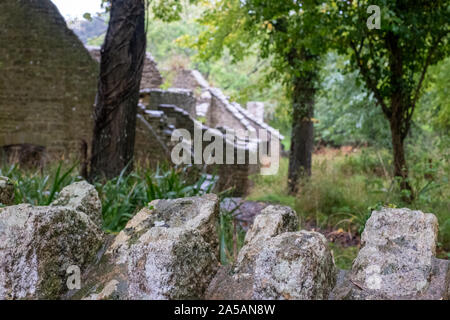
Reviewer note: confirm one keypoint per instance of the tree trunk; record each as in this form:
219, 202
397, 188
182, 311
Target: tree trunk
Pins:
398, 136
302, 137
397, 114
122, 59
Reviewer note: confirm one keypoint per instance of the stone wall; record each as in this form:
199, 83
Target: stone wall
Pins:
48, 82
170, 250
218, 110
190, 79
47, 79
152, 144
182, 98
162, 122
151, 78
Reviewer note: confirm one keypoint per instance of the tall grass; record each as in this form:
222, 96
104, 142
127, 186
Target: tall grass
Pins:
231, 235
121, 197
124, 195
39, 187
345, 188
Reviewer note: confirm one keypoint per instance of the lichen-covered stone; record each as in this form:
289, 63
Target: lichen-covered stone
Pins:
294, 265
437, 289
398, 246
229, 286
6, 191
272, 221
167, 251
170, 263
83, 197
199, 213
38, 244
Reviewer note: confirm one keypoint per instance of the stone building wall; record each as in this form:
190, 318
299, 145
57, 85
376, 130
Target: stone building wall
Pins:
151, 78
220, 111
182, 98
169, 117
190, 79
153, 133
47, 79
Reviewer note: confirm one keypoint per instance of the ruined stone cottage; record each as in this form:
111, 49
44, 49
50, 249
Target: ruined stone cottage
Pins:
194, 104
48, 83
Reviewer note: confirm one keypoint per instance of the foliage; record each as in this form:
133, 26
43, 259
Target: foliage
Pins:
434, 107
121, 197
124, 195
37, 187
231, 236
345, 110
393, 60
87, 29
344, 256
414, 31
346, 186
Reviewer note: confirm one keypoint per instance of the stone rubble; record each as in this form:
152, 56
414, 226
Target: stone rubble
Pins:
272, 221
294, 265
170, 250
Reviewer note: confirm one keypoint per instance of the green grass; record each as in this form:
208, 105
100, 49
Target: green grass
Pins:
40, 187
231, 237
122, 197
343, 256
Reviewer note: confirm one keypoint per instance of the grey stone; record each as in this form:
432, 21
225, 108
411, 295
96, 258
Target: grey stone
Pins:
199, 213
167, 251
398, 246
437, 289
38, 244
6, 191
83, 197
272, 221
294, 265
229, 286
170, 263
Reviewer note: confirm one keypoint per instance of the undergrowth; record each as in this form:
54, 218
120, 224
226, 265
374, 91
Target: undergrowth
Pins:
121, 197
345, 187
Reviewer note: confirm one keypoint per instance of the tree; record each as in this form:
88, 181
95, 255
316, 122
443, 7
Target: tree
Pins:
287, 32
122, 59
393, 60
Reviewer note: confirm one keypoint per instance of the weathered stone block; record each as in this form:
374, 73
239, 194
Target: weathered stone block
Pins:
272, 221
170, 263
397, 260
83, 197
294, 265
397, 250
168, 250
38, 244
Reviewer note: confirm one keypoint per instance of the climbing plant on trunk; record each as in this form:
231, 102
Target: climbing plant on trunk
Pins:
122, 59
393, 60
